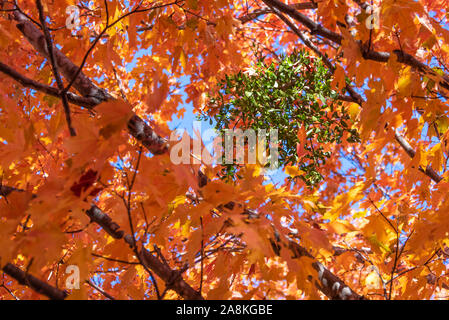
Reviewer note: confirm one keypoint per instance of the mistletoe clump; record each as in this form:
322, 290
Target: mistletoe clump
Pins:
293, 96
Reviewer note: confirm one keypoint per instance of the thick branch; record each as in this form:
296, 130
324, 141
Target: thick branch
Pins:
29, 83
37, 39
172, 278
328, 283
259, 12
331, 285
137, 127
355, 97
432, 174
314, 28
337, 38
406, 59
103, 220
34, 283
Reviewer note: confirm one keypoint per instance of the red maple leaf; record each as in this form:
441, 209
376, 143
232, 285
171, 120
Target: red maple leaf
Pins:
85, 182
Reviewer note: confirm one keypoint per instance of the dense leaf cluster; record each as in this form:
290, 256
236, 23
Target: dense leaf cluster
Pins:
290, 95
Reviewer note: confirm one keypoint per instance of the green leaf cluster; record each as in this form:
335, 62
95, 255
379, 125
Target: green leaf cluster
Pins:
293, 93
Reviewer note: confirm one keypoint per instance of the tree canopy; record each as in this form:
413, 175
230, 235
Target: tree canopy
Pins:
93, 207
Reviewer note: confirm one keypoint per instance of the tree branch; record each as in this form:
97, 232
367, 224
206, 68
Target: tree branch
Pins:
37, 39
331, 285
259, 12
172, 278
93, 285
367, 54
432, 174
328, 283
34, 283
137, 127
354, 96
54, 67
314, 28
32, 84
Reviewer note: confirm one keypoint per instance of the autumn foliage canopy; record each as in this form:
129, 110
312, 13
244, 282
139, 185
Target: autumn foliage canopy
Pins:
93, 207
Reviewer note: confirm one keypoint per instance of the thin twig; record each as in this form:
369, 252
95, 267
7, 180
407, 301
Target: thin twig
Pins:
396, 258
127, 204
54, 66
93, 285
9, 291
94, 43
115, 260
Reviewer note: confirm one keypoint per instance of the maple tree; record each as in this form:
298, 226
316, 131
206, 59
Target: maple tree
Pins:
87, 179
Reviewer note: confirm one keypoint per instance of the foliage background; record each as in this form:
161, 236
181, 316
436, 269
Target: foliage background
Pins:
86, 177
